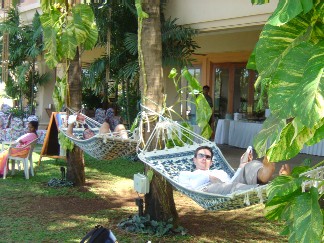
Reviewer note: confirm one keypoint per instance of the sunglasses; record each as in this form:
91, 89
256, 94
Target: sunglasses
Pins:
200, 156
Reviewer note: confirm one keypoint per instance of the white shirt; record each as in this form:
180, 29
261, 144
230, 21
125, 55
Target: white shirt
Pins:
197, 179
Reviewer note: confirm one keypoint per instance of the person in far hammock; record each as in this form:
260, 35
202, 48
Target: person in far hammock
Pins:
113, 124
249, 175
79, 118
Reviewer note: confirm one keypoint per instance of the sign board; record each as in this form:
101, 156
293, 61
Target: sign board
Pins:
51, 146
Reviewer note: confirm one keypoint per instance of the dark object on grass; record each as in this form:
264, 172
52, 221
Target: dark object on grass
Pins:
63, 173
59, 183
99, 235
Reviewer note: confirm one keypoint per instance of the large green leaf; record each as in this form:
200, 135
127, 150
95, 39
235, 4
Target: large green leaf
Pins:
318, 135
47, 4
275, 42
312, 89
50, 23
307, 217
298, 81
192, 82
92, 38
68, 44
291, 141
204, 113
270, 132
282, 186
289, 9
83, 19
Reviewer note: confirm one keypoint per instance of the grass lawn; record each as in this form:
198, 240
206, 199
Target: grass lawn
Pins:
31, 211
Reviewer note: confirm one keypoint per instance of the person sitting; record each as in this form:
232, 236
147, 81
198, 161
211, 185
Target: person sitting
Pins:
22, 141
249, 175
114, 124
79, 119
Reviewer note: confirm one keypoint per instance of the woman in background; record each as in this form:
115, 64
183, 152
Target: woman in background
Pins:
113, 124
22, 141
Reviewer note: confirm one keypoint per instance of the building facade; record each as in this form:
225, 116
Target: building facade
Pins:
228, 32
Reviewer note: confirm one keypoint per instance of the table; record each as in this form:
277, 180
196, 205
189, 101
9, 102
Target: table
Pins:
222, 130
316, 149
241, 134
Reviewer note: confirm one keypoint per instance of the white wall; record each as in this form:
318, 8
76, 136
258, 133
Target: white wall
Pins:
211, 15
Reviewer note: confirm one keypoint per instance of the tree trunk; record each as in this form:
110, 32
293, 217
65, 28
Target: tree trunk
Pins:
75, 161
159, 202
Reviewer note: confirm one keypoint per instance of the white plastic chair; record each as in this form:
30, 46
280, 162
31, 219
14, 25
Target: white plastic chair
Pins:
24, 160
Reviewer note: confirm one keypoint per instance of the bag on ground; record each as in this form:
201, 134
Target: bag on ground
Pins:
99, 235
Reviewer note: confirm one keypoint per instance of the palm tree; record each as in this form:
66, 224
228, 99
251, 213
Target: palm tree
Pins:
177, 46
25, 44
66, 32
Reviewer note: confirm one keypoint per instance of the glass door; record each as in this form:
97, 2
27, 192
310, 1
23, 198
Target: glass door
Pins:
233, 89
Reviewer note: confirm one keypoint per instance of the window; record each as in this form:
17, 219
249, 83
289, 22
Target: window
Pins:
234, 89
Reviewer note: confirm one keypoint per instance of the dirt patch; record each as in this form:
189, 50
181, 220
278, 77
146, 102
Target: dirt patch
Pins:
222, 226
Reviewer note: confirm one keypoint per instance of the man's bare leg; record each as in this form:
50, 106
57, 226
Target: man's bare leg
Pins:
266, 172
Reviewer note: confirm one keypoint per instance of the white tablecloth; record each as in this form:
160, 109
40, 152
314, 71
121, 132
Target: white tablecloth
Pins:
240, 134
316, 149
222, 130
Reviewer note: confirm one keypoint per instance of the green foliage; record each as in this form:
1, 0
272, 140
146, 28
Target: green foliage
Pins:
25, 44
143, 225
289, 59
194, 89
16, 112
299, 210
65, 29
59, 93
65, 142
89, 99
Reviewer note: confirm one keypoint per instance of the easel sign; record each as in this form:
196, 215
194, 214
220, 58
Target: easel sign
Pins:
51, 146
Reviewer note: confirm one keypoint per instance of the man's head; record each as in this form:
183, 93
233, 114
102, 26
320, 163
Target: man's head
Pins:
206, 89
88, 133
203, 158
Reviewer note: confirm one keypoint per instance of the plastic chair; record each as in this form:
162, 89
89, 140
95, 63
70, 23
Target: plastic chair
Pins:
24, 159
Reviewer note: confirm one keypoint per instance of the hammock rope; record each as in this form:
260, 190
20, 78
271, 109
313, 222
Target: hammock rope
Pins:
170, 150
103, 146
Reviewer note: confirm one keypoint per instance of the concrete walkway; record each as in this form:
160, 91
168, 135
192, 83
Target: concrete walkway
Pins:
233, 155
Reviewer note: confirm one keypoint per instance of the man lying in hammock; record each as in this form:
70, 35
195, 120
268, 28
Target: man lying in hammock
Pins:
250, 174
87, 133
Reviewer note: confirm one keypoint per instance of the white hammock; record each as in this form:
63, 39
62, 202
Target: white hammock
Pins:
103, 146
169, 160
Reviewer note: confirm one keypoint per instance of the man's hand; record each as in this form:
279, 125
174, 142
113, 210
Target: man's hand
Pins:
243, 163
72, 119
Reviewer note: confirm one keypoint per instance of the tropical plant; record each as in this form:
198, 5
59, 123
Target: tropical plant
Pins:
177, 46
194, 89
67, 31
289, 58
